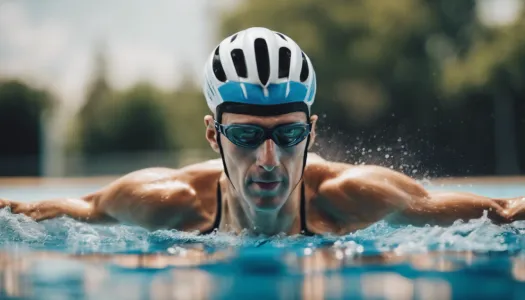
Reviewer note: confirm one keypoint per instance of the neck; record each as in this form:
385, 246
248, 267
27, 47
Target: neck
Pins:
243, 217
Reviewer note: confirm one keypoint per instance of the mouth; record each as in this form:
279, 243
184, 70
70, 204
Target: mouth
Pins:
267, 185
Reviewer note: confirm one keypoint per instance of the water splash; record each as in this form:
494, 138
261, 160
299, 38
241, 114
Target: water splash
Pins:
65, 234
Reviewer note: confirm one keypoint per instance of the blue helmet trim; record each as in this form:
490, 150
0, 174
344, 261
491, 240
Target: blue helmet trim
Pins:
312, 91
232, 92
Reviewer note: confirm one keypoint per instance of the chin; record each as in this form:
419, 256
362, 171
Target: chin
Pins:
266, 203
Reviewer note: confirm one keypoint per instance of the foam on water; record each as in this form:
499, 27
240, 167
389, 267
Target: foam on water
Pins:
68, 235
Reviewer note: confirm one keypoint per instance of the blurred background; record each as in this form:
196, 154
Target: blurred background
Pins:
426, 87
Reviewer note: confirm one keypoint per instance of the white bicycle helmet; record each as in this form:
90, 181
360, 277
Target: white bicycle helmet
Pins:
261, 72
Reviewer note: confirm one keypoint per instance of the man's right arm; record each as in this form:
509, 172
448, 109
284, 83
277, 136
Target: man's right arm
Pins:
150, 198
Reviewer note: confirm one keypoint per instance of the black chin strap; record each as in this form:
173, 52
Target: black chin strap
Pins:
260, 110
222, 157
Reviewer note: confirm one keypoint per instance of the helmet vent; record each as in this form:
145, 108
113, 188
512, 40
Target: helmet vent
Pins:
218, 70
282, 36
239, 62
284, 62
233, 38
304, 69
262, 59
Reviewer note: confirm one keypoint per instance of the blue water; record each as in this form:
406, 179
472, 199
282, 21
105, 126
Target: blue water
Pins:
65, 259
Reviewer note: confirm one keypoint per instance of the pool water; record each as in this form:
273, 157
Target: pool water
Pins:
65, 259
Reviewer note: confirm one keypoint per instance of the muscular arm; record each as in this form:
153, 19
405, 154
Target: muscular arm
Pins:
83, 209
151, 198
368, 194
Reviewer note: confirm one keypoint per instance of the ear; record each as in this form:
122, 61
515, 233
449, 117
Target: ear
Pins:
211, 133
313, 121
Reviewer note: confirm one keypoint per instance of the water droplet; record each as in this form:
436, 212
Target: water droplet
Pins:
387, 155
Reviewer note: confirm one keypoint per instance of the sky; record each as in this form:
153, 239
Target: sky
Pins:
51, 43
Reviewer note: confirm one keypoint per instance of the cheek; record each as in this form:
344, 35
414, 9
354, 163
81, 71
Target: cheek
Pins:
293, 157
236, 157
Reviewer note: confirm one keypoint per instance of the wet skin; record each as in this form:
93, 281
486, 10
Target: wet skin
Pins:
262, 195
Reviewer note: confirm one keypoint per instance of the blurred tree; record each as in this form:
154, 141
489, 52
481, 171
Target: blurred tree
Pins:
128, 121
494, 70
93, 124
141, 121
22, 111
187, 108
383, 78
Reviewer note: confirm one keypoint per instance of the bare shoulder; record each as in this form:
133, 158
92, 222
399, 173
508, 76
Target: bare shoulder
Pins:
161, 197
378, 175
187, 174
334, 174
165, 182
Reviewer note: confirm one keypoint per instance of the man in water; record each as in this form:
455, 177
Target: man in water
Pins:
260, 87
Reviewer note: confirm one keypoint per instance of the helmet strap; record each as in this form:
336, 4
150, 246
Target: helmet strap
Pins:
260, 110
222, 158
305, 156
226, 169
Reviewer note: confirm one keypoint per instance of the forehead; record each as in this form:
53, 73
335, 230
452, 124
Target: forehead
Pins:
267, 121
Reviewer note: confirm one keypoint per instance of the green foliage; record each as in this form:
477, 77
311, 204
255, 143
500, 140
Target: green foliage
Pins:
187, 108
369, 54
423, 70
140, 121
141, 118
127, 121
22, 112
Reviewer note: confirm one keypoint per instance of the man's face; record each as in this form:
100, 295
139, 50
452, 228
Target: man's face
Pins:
263, 176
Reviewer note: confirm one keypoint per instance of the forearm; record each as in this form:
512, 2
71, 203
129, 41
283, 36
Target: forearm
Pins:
445, 208
75, 208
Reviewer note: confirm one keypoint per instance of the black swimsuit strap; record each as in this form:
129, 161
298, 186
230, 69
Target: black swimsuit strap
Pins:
304, 228
217, 222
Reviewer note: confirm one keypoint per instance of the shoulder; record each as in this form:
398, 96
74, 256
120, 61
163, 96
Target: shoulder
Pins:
324, 174
162, 197
187, 180
188, 174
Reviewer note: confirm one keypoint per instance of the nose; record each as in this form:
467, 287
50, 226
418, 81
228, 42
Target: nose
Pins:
268, 155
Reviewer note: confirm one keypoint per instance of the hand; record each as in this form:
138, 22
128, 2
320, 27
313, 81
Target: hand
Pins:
37, 211
515, 209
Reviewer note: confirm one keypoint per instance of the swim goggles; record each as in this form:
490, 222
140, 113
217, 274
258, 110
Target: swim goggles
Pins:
252, 136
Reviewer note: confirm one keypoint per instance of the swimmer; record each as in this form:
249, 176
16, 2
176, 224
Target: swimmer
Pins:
260, 86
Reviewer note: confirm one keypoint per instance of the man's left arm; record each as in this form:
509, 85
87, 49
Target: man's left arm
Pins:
371, 193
